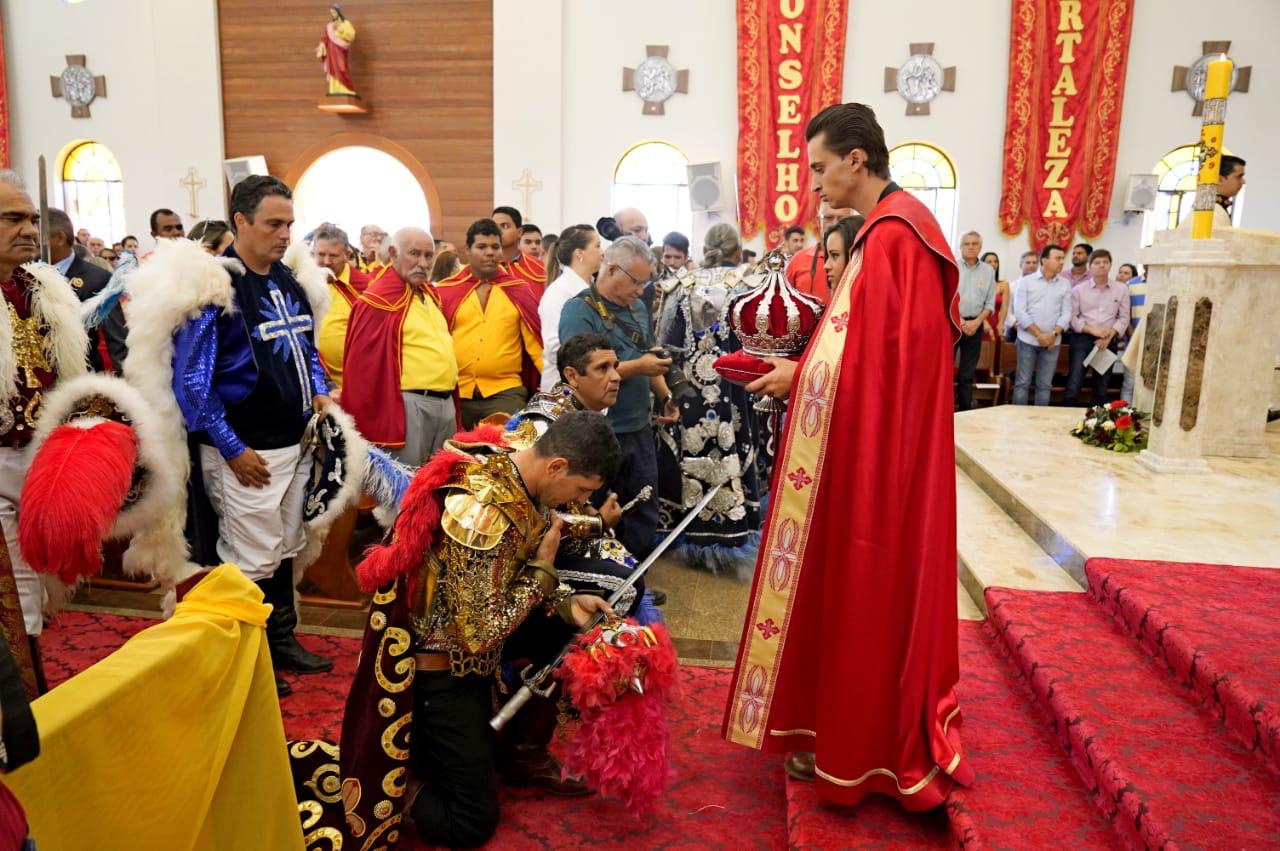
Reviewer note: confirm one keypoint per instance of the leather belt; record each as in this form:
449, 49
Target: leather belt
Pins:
431, 661
434, 394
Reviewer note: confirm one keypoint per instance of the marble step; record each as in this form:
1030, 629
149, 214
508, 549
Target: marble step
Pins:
994, 551
967, 608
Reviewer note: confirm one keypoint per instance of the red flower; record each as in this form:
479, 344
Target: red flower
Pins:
1124, 422
1117, 404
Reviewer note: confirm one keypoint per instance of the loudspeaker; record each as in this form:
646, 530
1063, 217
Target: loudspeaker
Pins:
705, 194
239, 168
1140, 194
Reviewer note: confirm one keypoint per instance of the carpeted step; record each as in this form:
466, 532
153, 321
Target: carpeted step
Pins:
1157, 765
1216, 629
1027, 793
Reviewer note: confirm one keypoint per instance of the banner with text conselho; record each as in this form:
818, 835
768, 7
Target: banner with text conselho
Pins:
790, 67
1067, 61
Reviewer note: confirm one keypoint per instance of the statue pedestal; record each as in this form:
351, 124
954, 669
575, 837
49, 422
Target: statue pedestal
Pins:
342, 104
1208, 356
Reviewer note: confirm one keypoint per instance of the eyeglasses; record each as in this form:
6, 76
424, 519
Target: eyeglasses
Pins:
634, 279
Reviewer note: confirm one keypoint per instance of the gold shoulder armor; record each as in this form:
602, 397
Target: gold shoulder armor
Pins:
472, 523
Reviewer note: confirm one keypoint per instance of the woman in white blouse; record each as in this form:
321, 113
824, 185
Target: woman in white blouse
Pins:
578, 252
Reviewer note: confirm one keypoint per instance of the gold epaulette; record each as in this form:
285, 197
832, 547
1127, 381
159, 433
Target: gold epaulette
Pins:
474, 524
483, 499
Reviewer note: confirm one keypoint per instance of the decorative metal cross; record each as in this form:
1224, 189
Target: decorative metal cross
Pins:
527, 186
1191, 79
194, 183
287, 327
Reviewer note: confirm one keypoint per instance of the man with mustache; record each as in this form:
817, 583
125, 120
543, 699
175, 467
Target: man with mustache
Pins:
399, 355
40, 326
248, 380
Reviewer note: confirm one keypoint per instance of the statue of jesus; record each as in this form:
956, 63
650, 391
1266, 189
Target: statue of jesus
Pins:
333, 52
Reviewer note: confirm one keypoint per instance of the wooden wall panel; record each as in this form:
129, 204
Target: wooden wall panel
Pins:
425, 67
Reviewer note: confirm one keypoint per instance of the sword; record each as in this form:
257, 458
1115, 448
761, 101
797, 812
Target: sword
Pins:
643, 496
537, 684
44, 211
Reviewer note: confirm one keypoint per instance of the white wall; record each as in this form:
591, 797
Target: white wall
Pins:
598, 122
163, 111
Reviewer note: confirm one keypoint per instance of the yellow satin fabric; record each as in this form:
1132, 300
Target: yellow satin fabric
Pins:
174, 741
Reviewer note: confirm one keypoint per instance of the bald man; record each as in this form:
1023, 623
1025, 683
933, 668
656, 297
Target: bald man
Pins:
633, 223
398, 346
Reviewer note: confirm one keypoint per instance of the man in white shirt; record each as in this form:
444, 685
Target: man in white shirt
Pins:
579, 254
1042, 305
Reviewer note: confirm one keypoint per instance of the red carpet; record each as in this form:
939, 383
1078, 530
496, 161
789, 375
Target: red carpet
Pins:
1143, 714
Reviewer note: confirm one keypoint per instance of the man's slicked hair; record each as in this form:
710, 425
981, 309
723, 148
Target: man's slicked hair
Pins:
584, 439
60, 222
482, 227
511, 213
1049, 249
525, 230
248, 195
330, 232
576, 351
845, 126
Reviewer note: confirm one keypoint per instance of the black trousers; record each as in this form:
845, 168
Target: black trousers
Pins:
639, 468
1080, 346
451, 746
970, 349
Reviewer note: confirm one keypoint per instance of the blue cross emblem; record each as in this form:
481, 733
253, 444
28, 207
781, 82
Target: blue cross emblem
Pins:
287, 327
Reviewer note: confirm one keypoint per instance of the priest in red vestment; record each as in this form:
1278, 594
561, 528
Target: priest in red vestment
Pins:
497, 334
849, 646
399, 356
515, 262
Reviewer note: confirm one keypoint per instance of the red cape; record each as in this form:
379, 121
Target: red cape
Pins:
798, 273
357, 283
529, 269
849, 647
372, 351
523, 294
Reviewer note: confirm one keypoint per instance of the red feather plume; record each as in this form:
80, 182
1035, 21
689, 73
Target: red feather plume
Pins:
75, 487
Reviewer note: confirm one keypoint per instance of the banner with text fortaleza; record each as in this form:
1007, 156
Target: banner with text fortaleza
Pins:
1067, 61
790, 67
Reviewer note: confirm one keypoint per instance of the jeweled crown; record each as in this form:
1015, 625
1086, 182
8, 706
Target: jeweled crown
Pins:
774, 319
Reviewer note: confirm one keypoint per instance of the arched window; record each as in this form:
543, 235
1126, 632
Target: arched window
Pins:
93, 190
357, 185
653, 177
1176, 192
927, 173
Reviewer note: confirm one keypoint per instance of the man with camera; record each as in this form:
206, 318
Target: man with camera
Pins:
612, 307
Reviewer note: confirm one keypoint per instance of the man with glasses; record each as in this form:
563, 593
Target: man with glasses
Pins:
371, 237
612, 307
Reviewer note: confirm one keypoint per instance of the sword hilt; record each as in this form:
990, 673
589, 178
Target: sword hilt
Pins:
527, 692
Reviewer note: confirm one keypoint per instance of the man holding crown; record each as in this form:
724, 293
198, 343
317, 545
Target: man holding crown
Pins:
848, 655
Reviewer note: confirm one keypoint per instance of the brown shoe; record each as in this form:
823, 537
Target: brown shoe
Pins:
523, 757
802, 766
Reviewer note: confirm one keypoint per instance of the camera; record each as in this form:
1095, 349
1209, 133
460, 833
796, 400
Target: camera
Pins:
607, 227
677, 379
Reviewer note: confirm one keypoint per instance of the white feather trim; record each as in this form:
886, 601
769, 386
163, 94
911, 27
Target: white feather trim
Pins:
179, 281
313, 279
163, 487
354, 460
56, 305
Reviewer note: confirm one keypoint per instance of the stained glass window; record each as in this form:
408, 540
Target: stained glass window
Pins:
1176, 192
927, 173
653, 177
93, 191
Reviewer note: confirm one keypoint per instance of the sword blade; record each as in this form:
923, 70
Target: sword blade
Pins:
664, 545
44, 210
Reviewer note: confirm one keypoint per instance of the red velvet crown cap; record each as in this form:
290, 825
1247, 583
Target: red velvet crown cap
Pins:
774, 319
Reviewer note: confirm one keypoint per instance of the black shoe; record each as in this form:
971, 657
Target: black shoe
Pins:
659, 597
286, 653
283, 689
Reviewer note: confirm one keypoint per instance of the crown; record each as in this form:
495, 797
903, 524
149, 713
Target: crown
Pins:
774, 319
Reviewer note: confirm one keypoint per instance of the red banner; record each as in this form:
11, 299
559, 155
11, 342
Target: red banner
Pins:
790, 67
1067, 61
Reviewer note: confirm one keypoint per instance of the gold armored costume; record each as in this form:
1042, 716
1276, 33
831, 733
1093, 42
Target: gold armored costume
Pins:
480, 580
